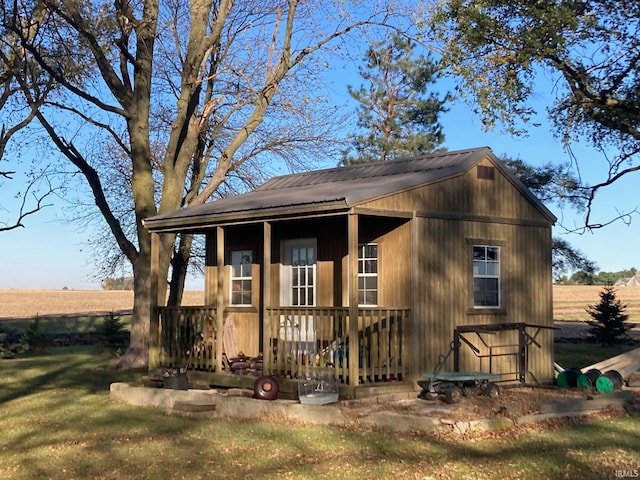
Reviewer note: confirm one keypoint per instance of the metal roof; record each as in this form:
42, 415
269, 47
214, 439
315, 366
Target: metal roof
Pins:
335, 189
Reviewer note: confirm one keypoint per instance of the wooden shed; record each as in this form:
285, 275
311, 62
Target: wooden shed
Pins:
374, 272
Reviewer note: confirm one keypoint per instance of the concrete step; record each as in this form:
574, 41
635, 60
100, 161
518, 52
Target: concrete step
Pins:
193, 406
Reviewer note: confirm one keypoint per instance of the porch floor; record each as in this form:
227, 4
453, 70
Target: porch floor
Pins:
288, 387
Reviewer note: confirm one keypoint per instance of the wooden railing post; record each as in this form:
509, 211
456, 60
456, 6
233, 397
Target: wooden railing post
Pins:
266, 296
354, 344
154, 302
219, 297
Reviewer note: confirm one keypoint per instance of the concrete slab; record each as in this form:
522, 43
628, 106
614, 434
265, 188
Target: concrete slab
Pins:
413, 415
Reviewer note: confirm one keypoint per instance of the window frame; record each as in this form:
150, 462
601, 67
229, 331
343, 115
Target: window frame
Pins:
500, 276
241, 278
362, 264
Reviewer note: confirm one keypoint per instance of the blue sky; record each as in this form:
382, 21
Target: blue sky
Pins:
49, 254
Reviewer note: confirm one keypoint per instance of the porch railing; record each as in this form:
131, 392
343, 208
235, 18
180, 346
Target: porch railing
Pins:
305, 341
301, 341
186, 337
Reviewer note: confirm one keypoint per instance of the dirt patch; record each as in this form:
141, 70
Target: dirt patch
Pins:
512, 402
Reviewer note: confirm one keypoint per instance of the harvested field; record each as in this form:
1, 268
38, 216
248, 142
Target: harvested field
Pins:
29, 303
570, 301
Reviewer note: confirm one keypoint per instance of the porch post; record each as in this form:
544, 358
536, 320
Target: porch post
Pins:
154, 302
266, 293
414, 329
354, 344
219, 297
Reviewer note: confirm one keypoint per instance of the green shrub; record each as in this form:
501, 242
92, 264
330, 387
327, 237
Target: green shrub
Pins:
10, 343
111, 335
608, 326
35, 337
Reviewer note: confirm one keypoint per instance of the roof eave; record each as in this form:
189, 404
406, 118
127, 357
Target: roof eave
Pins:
202, 222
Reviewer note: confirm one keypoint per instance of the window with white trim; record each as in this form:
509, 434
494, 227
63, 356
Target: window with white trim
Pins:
368, 274
241, 278
486, 276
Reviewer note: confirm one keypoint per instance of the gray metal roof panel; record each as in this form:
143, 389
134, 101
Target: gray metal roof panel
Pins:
342, 187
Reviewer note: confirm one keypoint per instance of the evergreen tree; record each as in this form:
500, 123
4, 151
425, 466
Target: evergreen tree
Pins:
556, 183
608, 326
397, 115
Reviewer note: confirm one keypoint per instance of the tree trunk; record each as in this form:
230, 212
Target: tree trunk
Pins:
137, 355
179, 264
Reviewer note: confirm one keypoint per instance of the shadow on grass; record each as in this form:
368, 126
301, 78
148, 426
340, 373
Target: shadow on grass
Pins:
63, 425
72, 368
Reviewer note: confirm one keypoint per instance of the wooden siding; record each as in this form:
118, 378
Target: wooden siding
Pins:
451, 213
444, 284
465, 196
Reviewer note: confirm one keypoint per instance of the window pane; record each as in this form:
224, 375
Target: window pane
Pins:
371, 266
371, 298
492, 269
371, 250
479, 268
236, 298
485, 292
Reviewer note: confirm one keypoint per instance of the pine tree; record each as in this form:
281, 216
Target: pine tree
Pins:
397, 115
608, 326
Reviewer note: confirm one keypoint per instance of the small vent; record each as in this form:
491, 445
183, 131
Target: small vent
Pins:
486, 173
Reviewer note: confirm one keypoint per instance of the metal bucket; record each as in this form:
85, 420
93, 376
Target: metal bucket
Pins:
178, 381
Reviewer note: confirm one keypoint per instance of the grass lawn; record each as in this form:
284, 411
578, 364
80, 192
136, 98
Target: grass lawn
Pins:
65, 324
580, 355
57, 422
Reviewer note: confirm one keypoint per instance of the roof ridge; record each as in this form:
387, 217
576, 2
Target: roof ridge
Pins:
317, 173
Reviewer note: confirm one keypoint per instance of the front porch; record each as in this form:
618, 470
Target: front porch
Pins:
296, 342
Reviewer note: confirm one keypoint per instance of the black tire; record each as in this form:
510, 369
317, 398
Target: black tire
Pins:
427, 395
453, 394
266, 388
492, 390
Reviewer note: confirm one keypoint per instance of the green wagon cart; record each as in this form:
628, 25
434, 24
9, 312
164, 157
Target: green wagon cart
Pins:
454, 385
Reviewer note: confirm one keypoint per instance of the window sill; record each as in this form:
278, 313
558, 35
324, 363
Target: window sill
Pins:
486, 311
241, 309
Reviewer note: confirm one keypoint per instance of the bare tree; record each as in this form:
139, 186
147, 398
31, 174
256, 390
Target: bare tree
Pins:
15, 116
188, 94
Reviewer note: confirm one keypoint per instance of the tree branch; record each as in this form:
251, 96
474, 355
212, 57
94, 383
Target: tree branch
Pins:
23, 212
93, 179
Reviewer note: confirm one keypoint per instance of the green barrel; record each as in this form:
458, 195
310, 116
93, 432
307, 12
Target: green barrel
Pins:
610, 381
587, 380
568, 378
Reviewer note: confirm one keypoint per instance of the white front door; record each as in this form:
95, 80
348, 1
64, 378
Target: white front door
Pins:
298, 287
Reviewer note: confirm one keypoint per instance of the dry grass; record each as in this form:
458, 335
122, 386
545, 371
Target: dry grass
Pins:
570, 301
29, 303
